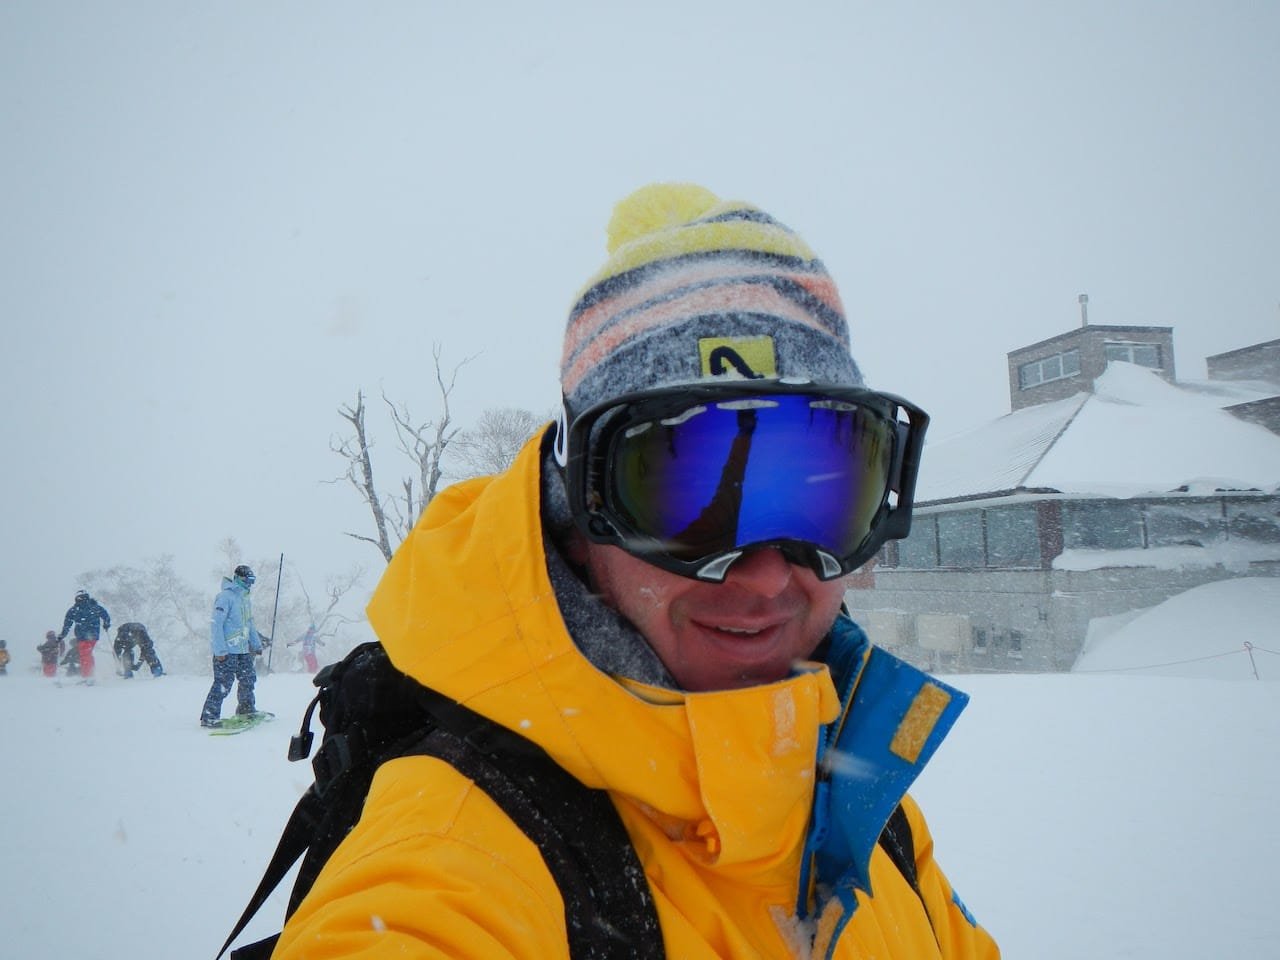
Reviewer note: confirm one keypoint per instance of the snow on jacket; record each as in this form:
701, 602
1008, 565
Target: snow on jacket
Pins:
86, 614
231, 628
715, 789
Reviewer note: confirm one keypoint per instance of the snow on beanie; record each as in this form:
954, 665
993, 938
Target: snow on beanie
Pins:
697, 287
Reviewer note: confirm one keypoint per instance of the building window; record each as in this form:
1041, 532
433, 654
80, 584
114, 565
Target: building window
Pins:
1013, 538
1143, 354
1102, 525
921, 548
960, 539
1058, 367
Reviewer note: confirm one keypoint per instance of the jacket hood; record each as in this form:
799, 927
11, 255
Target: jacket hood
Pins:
467, 607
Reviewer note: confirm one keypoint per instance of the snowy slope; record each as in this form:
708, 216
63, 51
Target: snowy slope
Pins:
1079, 815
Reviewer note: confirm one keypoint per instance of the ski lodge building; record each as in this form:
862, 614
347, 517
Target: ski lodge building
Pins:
1109, 488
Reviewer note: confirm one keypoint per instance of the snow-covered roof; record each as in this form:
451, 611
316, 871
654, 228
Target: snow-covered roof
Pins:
1135, 434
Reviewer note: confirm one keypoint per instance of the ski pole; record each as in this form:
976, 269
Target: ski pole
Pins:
274, 611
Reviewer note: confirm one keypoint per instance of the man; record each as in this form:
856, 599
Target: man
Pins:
652, 593
234, 642
88, 616
129, 635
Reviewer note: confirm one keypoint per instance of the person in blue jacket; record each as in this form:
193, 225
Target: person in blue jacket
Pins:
89, 617
234, 641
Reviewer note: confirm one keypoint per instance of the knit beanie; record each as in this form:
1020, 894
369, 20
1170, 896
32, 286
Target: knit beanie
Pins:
697, 287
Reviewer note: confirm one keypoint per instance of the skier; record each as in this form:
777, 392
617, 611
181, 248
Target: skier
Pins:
50, 651
4, 658
87, 614
309, 640
234, 641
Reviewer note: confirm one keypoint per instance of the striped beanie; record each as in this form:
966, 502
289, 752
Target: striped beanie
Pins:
696, 287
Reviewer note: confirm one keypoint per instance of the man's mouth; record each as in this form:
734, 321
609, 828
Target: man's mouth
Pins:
740, 631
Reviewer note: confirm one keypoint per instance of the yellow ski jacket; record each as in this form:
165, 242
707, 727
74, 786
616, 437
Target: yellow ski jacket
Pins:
717, 790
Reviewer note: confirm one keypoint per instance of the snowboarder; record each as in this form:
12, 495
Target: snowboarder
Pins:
127, 636
234, 641
147, 651
50, 651
309, 641
123, 650
87, 615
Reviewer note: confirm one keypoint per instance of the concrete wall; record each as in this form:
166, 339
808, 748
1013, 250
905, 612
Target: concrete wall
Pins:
1031, 621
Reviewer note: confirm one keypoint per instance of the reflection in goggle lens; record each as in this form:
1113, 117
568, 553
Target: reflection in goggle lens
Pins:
721, 475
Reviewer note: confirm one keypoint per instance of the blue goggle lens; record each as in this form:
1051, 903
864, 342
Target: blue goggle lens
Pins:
778, 468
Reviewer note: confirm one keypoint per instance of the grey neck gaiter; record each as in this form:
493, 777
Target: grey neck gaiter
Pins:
612, 644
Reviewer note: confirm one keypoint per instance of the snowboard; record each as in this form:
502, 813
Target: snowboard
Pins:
240, 723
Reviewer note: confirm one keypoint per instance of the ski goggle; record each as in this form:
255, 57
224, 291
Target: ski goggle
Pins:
692, 477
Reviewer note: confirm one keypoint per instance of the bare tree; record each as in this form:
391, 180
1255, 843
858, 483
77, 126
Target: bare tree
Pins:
423, 442
174, 612
492, 444
360, 473
323, 612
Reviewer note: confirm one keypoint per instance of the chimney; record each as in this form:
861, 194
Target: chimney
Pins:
1083, 300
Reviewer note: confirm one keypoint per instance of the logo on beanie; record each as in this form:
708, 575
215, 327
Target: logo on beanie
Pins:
747, 358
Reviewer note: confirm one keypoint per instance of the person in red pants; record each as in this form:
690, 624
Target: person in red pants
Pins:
89, 617
309, 641
50, 652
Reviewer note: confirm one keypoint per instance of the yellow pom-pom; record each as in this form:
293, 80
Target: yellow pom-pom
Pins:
659, 206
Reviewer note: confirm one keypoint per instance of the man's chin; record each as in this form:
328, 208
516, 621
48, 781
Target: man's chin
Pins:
718, 659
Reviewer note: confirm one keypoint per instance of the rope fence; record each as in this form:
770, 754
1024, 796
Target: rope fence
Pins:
1248, 648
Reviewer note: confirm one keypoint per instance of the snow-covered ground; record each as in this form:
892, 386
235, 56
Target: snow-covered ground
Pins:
1100, 815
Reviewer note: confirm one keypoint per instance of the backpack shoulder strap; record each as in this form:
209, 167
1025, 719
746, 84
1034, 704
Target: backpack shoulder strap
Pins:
897, 841
899, 844
294, 841
609, 909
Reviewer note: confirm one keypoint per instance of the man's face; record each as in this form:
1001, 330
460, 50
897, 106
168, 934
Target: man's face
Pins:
747, 630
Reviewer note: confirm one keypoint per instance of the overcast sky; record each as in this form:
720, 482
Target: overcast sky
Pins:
221, 219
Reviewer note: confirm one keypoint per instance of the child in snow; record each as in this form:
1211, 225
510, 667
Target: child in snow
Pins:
50, 651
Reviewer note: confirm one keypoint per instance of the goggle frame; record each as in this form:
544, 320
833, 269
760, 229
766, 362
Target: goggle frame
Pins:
582, 459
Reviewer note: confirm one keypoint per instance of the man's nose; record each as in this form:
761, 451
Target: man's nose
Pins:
763, 570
